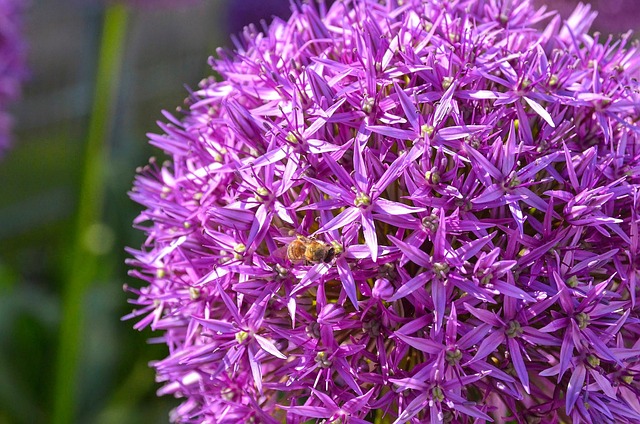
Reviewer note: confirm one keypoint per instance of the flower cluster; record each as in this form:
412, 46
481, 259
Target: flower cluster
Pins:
12, 63
401, 211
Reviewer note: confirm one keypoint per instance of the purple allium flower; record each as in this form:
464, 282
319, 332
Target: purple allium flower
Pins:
391, 212
12, 63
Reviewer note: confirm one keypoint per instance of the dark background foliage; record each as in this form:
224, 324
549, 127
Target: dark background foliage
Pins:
166, 47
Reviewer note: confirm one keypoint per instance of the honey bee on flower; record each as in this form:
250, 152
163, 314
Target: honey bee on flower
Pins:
310, 250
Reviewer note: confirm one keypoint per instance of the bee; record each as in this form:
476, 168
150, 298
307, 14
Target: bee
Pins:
310, 250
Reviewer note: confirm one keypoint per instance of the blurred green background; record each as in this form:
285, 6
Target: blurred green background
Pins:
164, 48
62, 253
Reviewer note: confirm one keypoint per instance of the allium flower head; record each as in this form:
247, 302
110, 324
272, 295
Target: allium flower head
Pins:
416, 211
12, 63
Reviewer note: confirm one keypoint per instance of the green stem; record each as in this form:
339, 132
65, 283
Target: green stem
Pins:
81, 269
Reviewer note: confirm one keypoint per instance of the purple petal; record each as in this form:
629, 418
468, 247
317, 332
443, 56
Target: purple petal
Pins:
238, 219
340, 173
460, 132
309, 411
537, 108
512, 291
466, 407
593, 261
413, 253
518, 363
439, 241
570, 169
566, 351
353, 406
510, 151
484, 168
413, 408
414, 325
600, 346
256, 368
485, 316
330, 189
362, 251
518, 216
325, 399
536, 166
311, 276
360, 167
348, 283
319, 87
395, 170
439, 295
345, 217
474, 336
445, 104
575, 387
471, 249
412, 285
231, 307
260, 225
555, 325
604, 383
269, 347
392, 132
384, 206
344, 371
478, 94
369, 230
408, 107
268, 158
424, 345
489, 195
223, 327
489, 345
